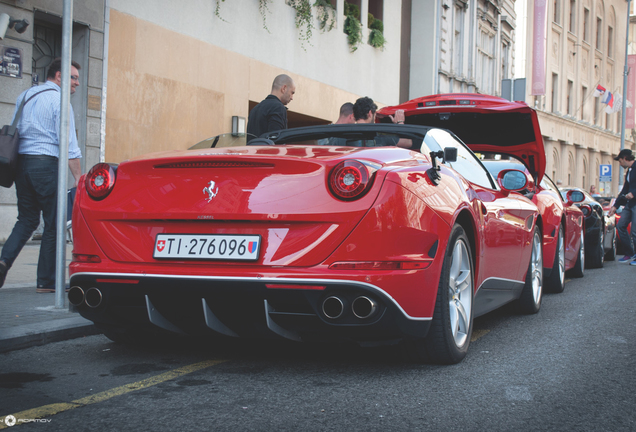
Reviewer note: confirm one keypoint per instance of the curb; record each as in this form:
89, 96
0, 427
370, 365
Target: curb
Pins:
31, 335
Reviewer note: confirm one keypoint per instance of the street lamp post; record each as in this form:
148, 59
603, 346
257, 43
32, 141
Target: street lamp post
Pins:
625, 74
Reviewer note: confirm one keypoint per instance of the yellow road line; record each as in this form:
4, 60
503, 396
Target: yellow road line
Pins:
478, 333
56, 408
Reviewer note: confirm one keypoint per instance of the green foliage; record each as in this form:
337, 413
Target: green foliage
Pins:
376, 39
376, 34
352, 26
304, 20
326, 14
353, 30
218, 9
262, 8
377, 24
352, 10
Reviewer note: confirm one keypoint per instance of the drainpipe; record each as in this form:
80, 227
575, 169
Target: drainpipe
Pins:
102, 140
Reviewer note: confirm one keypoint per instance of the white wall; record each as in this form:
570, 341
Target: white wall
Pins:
367, 71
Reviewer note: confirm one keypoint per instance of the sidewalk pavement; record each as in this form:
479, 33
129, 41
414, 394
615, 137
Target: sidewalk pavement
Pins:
28, 318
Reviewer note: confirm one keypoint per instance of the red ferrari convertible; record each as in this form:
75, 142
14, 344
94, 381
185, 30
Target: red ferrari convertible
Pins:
492, 126
317, 233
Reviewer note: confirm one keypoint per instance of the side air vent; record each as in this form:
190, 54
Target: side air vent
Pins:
215, 164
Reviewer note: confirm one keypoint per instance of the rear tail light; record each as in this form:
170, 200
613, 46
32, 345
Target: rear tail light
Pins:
83, 258
100, 180
350, 180
381, 265
586, 209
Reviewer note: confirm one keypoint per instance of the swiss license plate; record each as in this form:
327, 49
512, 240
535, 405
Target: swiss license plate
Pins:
207, 246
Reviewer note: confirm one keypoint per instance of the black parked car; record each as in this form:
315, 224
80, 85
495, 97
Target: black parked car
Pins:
600, 232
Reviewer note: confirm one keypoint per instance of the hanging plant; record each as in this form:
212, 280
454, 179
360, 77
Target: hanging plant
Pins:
262, 8
326, 14
352, 26
218, 9
376, 34
304, 20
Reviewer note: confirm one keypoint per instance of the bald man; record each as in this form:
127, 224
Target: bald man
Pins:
346, 114
271, 113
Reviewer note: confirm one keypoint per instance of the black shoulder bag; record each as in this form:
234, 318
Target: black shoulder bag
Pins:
9, 145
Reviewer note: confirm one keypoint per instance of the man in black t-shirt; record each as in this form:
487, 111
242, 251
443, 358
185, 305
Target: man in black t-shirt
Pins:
271, 113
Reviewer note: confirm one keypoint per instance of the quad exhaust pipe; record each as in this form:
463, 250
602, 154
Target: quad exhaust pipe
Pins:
332, 307
362, 307
92, 297
76, 296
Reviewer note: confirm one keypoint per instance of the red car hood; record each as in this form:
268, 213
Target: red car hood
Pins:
485, 123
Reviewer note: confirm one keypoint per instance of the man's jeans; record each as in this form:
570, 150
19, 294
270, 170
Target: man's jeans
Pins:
36, 188
628, 215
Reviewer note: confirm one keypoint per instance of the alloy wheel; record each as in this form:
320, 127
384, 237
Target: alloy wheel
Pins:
460, 287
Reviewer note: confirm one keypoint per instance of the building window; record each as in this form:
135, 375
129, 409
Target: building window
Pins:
572, 16
458, 40
557, 11
505, 65
376, 8
555, 93
597, 110
586, 24
583, 97
570, 97
610, 45
486, 62
599, 32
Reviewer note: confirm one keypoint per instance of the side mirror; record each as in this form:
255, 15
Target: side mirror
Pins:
574, 196
512, 180
450, 154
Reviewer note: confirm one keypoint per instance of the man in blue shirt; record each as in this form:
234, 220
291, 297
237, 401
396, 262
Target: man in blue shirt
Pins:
36, 179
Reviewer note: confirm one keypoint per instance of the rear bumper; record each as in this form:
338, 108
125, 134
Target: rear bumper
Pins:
242, 306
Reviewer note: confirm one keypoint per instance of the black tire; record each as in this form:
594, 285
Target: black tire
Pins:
610, 255
532, 293
450, 332
596, 257
579, 267
556, 281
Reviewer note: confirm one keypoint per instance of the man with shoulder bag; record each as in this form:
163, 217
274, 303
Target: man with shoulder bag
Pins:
38, 115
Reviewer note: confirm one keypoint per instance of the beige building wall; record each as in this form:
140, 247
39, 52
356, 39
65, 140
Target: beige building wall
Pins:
585, 47
157, 104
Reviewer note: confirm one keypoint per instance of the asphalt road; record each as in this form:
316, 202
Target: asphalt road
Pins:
571, 367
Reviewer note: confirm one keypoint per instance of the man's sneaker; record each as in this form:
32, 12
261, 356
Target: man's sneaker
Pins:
633, 263
3, 272
627, 259
48, 289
